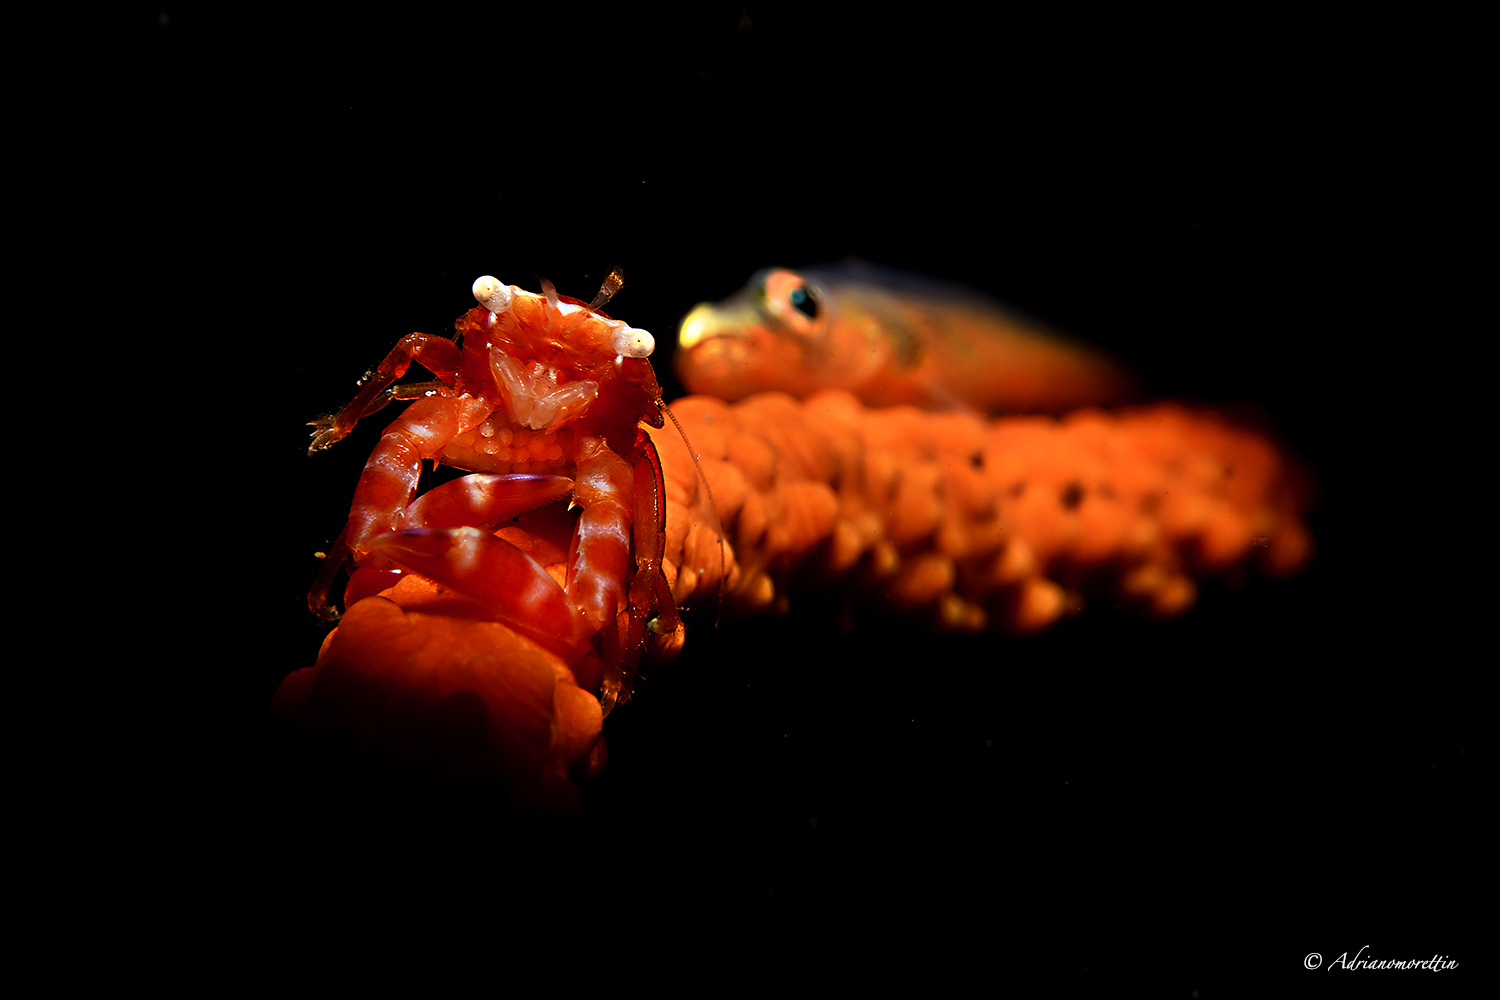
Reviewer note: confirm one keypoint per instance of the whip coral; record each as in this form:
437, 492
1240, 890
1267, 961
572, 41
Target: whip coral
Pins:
973, 523
960, 522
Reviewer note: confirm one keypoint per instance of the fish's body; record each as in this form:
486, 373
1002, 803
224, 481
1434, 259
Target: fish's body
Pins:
890, 338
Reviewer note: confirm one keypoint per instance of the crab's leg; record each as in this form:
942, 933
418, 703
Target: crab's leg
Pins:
650, 525
438, 355
511, 585
322, 585
599, 566
599, 563
400, 393
390, 478
651, 614
483, 499
480, 500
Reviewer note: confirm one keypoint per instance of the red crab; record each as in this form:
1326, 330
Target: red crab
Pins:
540, 396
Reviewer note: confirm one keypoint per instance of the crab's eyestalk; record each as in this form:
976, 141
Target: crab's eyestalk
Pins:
631, 342
492, 293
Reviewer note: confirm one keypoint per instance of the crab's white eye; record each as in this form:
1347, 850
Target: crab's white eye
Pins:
492, 293
634, 343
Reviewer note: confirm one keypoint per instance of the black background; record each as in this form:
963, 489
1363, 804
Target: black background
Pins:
1254, 213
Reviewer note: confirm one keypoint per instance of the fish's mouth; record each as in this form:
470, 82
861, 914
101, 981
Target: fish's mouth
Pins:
717, 366
698, 326
714, 352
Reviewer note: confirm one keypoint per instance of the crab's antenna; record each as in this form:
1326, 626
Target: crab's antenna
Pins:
613, 282
550, 291
712, 506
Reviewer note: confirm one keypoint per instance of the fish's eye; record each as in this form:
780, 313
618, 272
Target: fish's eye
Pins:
802, 301
793, 301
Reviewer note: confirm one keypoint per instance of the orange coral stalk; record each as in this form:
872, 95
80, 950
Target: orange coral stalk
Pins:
968, 523
978, 523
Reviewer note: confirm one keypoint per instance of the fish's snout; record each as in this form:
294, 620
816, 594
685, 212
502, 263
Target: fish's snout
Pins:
697, 326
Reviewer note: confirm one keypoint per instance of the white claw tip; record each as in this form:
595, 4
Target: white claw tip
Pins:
492, 293
633, 343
